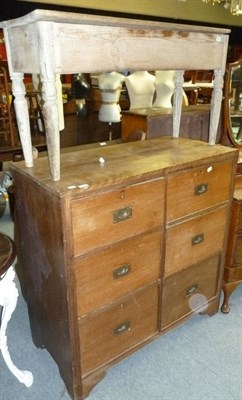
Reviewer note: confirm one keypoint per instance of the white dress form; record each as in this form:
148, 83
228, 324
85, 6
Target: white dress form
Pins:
164, 86
141, 88
110, 85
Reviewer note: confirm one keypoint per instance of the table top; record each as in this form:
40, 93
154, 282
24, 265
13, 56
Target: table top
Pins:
7, 253
109, 43
78, 18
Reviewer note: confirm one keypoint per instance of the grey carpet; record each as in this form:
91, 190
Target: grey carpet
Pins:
199, 360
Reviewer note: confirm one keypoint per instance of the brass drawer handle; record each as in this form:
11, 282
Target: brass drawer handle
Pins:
192, 289
125, 326
122, 214
200, 189
121, 271
197, 239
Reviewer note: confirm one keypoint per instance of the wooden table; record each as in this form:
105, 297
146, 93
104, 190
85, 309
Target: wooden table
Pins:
44, 42
7, 253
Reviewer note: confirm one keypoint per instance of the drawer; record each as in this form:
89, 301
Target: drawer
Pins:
115, 331
240, 217
189, 291
192, 241
236, 219
232, 274
198, 189
110, 274
238, 251
109, 217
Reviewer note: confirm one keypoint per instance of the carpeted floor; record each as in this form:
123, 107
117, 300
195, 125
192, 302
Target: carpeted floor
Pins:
199, 360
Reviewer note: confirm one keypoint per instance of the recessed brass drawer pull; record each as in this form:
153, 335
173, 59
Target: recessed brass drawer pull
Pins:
191, 290
121, 271
197, 239
125, 326
122, 214
200, 189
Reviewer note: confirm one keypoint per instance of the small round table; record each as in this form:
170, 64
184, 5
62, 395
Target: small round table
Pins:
7, 253
8, 301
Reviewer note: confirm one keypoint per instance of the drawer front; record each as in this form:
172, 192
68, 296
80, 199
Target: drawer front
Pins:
198, 189
115, 331
110, 274
240, 217
238, 251
116, 215
195, 240
233, 274
189, 291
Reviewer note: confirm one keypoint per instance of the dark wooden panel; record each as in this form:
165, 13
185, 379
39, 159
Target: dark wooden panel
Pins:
40, 222
159, 122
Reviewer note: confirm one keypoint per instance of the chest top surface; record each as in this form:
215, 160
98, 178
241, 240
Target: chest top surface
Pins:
89, 169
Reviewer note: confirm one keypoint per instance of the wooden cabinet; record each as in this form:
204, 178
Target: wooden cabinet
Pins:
117, 252
233, 263
159, 122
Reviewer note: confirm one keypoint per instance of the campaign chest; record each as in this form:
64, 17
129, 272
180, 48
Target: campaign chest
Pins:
129, 243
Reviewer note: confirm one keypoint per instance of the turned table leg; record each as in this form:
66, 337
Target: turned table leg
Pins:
22, 116
50, 114
49, 95
177, 103
216, 101
20, 106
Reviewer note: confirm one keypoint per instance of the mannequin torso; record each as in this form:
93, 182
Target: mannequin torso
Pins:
140, 86
110, 85
81, 90
164, 86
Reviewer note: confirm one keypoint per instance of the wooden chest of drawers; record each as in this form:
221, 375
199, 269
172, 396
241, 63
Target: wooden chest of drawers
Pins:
117, 252
159, 122
233, 260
